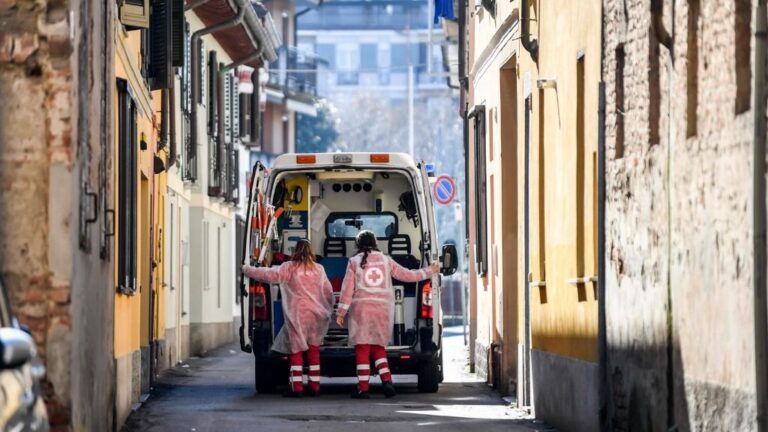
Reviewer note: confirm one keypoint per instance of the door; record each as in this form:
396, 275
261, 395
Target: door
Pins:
252, 238
429, 232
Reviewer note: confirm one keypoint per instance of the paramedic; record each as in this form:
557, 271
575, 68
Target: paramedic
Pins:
307, 299
367, 297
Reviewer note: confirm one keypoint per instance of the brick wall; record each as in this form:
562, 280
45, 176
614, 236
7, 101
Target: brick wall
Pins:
678, 212
55, 287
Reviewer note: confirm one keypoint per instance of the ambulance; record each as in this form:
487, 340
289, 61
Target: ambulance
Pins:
328, 198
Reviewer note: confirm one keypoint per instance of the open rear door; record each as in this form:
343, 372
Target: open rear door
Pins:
429, 229
255, 195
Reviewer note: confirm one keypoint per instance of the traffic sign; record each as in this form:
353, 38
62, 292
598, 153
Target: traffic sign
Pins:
444, 189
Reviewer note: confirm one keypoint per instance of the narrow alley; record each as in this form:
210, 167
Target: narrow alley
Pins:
216, 393
459, 215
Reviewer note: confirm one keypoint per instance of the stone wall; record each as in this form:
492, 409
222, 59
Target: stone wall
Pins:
679, 269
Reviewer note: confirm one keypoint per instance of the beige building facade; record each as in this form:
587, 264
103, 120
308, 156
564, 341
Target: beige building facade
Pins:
534, 73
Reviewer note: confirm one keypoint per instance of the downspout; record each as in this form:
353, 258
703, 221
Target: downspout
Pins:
530, 45
602, 336
195, 60
657, 21
759, 216
172, 126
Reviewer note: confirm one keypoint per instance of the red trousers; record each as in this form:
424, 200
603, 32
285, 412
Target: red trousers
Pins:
363, 354
297, 367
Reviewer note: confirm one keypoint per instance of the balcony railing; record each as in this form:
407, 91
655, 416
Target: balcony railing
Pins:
295, 72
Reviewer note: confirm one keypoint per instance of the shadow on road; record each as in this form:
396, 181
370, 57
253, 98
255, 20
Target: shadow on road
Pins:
216, 393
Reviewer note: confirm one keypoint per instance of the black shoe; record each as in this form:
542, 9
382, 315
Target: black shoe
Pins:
292, 394
389, 389
361, 395
311, 393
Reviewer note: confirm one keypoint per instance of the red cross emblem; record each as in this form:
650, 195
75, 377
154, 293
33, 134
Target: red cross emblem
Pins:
373, 276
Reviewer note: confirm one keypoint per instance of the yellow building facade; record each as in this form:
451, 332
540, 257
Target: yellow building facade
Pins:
534, 72
140, 186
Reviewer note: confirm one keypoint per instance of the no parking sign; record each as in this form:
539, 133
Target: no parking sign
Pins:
444, 189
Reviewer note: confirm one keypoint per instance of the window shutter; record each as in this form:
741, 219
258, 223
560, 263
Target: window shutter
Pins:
481, 205
134, 13
213, 96
235, 110
201, 56
186, 73
179, 31
228, 108
160, 48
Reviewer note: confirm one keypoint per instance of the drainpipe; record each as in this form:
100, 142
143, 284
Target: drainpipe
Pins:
759, 217
530, 45
196, 53
602, 326
172, 126
657, 21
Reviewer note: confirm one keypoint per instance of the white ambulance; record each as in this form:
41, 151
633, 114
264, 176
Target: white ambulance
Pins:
328, 198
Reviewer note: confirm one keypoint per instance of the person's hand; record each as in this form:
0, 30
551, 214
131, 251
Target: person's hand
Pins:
435, 267
340, 319
245, 269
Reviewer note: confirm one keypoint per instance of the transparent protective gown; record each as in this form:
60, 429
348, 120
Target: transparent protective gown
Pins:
368, 295
307, 298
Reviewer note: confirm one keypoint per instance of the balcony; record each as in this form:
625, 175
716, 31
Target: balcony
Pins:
295, 72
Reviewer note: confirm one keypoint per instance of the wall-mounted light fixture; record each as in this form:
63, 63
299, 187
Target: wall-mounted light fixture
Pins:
545, 83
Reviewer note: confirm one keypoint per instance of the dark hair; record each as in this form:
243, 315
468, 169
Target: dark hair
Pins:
303, 253
366, 242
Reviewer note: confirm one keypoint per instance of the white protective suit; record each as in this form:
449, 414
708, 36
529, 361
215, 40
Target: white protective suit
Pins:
368, 295
307, 298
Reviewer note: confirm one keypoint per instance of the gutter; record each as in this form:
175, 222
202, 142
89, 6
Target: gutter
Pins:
759, 217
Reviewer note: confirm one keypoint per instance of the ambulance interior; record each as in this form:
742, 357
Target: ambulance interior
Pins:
330, 208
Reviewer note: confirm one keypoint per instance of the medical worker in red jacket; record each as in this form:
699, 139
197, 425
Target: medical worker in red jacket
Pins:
307, 298
367, 298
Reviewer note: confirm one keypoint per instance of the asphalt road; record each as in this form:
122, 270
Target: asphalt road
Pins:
216, 393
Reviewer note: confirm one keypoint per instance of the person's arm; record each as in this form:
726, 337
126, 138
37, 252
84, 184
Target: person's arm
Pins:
267, 274
347, 291
403, 274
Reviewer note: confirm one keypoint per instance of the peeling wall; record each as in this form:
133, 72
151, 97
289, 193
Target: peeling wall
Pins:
59, 286
679, 264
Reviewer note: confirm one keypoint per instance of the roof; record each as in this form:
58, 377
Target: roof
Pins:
361, 160
242, 40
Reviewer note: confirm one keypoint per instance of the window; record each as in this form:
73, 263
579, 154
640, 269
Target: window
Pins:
384, 64
742, 58
654, 88
127, 181
580, 168
620, 103
347, 225
369, 61
218, 266
327, 52
693, 68
399, 57
348, 64
481, 187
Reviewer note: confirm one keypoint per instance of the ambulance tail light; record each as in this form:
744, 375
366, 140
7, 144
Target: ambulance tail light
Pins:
426, 301
259, 311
